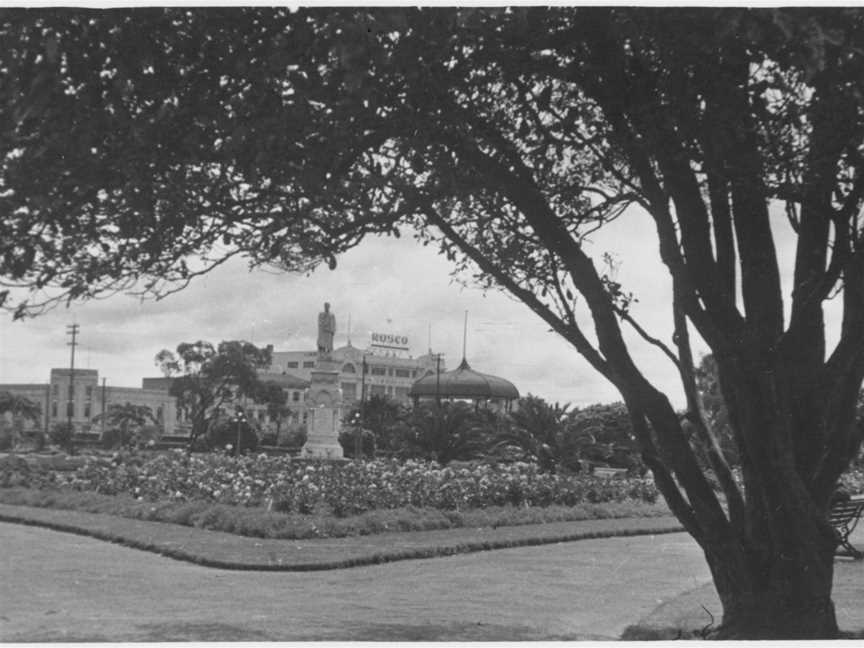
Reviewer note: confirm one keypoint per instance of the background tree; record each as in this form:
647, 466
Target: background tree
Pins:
538, 430
207, 379
275, 398
22, 410
714, 408
61, 434
560, 438
448, 432
129, 421
232, 435
603, 433
132, 140
385, 419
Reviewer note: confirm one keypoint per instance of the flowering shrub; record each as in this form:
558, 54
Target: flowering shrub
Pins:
342, 489
852, 481
15, 471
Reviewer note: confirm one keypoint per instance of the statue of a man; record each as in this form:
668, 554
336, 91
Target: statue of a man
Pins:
326, 330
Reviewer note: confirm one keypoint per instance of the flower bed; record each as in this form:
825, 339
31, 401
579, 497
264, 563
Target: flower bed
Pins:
280, 484
852, 481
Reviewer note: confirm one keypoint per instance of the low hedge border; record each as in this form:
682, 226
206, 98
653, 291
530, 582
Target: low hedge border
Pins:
289, 556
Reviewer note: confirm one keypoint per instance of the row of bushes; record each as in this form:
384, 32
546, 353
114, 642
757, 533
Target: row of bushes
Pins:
285, 485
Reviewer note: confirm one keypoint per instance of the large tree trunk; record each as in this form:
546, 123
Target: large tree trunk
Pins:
782, 587
771, 549
775, 583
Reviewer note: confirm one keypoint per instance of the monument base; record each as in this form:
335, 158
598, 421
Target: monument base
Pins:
324, 402
322, 451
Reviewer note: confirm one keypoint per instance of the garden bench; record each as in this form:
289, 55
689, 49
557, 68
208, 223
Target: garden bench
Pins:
844, 517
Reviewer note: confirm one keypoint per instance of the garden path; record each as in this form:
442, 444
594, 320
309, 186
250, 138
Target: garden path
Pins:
62, 587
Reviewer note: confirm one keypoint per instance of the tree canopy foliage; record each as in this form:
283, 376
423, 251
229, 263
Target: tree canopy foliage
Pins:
133, 140
206, 379
20, 407
130, 422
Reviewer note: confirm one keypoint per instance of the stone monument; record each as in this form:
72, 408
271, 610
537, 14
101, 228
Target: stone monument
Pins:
324, 398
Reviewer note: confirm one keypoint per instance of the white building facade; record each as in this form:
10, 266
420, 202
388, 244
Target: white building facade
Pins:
77, 396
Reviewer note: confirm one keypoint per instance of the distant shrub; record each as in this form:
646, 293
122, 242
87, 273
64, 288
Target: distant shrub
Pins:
7, 438
348, 441
15, 471
114, 438
852, 481
226, 433
292, 437
37, 438
61, 434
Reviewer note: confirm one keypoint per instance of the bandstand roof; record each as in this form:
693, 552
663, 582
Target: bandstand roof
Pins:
464, 382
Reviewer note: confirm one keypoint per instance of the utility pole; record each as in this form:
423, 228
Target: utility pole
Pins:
438, 379
72, 330
104, 402
437, 395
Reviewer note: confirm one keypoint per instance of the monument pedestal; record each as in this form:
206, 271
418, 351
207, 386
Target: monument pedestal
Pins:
324, 404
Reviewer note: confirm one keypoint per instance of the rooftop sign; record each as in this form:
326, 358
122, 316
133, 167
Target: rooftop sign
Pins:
390, 341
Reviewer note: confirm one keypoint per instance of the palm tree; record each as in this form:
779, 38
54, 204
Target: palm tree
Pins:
21, 408
451, 431
603, 433
385, 419
537, 428
128, 418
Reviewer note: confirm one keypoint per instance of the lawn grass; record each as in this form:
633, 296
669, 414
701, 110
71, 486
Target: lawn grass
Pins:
261, 523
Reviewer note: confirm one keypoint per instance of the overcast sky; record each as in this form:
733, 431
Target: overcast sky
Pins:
386, 285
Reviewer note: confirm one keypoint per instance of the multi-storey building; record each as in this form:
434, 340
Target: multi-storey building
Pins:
386, 373
78, 397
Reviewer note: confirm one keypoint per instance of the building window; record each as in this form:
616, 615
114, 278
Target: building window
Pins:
54, 409
389, 372
308, 364
70, 409
349, 391
349, 368
403, 373
377, 390
291, 365
305, 416
401, 393
88, 392
55, 390
87, 410
295, 396
378, 371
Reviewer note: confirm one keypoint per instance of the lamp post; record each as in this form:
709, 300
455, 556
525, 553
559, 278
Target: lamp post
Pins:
361, 419
356, 421
437, 394
239, 418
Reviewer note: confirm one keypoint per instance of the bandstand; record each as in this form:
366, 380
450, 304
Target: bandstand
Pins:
466, 384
